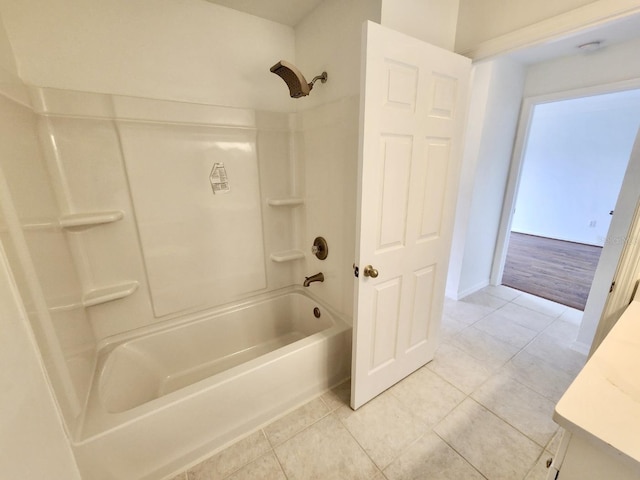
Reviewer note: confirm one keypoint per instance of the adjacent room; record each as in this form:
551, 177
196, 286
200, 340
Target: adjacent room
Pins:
575, 158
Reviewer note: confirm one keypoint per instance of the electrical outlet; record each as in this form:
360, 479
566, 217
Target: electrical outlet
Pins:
592, 223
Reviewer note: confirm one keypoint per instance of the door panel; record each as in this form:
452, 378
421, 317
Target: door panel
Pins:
394, 185
437, 164
412, 103
423, 281
386, 303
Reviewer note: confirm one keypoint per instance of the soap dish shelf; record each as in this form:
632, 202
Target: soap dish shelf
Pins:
79, 221
109, 293
287, 256
285, 202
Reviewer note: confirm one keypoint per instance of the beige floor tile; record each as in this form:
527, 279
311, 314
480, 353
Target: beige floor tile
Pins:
459, 368
484, 299
526, 317
502, 328
383, 427
564, 331
450, 327
427, 396
230, 459
182, 476
465, 312
557, 353
540, 376
431, 458
490, 351
287, 426
519, 406
572, 315
502, 291
338, 396
325, 450
264, 468
492, 446
541, 305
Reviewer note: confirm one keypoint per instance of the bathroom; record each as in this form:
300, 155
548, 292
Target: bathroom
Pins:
203, 64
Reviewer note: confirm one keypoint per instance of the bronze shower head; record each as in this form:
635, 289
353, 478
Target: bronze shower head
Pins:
298, 86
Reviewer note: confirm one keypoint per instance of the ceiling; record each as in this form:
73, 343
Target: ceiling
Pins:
287, 12
290, 12
610, 33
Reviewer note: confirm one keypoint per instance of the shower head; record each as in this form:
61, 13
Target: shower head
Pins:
298, 86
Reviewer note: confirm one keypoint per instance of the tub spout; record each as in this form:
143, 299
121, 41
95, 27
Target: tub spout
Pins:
318, 277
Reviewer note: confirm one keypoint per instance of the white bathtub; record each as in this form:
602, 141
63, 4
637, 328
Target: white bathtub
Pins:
167, 398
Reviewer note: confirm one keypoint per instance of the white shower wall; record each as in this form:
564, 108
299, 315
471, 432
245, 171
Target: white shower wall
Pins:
328, 137
164, 193
72, 232
41, 259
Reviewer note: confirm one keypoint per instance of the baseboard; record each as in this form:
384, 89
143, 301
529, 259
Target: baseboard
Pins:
473, 289
581, 347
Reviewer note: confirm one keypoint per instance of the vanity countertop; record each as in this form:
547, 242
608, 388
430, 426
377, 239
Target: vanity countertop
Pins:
603, 402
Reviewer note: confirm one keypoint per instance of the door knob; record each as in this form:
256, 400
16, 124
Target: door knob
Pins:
369, 271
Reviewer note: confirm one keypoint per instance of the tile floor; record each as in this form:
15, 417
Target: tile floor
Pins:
480, 410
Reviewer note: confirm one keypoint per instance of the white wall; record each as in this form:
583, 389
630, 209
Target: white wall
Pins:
7, 60
496, 105
33, 443
189, 50
433, 21
481, 74
328, 39
576, 156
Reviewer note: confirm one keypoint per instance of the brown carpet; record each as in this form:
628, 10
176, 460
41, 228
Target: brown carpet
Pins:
553, 269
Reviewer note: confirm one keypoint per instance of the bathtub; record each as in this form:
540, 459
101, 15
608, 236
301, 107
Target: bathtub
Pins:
168, 398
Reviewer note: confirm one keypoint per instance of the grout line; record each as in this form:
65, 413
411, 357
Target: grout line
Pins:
280, 464
357, 443
459, 454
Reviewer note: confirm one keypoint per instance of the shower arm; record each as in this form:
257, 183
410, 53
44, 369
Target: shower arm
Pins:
322, 78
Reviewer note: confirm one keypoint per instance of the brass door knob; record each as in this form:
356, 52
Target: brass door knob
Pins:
369, 271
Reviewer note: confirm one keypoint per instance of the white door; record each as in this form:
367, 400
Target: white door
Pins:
413, 105
619, 261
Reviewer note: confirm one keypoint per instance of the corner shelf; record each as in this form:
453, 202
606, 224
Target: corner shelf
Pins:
79, 221
285, 202
109, 293
286, 256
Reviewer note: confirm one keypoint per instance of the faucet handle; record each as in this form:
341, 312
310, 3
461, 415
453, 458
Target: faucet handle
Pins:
320, 248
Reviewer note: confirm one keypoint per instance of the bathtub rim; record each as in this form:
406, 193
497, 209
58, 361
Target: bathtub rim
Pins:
109, 343
88, 425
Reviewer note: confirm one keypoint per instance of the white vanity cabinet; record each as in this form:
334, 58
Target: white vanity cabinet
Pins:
601, 410
579, 459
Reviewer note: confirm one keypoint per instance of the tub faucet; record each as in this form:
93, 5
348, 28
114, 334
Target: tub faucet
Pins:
318, 277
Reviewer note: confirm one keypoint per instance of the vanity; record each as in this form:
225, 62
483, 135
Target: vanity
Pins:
600, 411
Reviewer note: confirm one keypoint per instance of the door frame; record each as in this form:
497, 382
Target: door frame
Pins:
515, 171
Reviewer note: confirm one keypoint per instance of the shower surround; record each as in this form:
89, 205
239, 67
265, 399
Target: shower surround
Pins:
144, 233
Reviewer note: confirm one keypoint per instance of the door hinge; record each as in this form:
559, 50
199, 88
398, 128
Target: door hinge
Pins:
613, 285
356, 271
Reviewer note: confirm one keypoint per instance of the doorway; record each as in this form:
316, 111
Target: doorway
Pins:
574, 160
